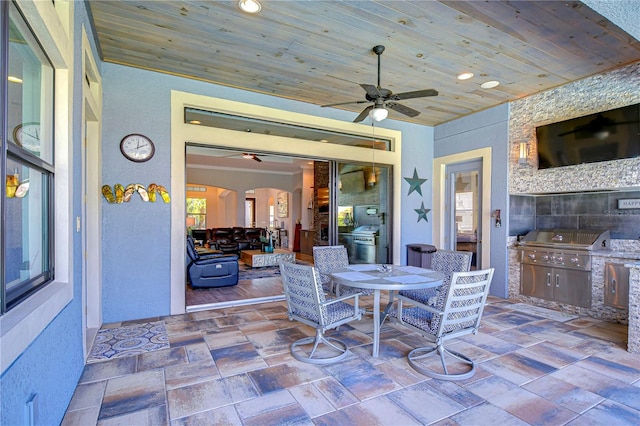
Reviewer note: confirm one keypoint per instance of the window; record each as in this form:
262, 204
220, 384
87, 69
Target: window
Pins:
197, 209
27, 207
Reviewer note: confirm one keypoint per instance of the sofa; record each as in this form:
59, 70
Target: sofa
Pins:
214, 270
233, 240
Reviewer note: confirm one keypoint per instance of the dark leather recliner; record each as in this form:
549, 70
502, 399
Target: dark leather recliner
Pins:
217, 270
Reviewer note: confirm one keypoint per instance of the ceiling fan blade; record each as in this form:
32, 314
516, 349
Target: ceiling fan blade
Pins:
363, 114
345, 103
372, 91
414, 94
402, 109
255, 157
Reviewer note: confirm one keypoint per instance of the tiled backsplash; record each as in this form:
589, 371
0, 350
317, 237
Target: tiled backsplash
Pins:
575, 211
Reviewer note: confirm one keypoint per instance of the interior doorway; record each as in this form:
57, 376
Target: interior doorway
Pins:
250, 212
463, 201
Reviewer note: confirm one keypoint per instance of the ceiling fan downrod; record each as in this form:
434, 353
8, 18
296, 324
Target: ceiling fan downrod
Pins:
378, 51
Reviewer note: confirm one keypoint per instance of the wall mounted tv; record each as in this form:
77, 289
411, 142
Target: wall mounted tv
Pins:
608, 135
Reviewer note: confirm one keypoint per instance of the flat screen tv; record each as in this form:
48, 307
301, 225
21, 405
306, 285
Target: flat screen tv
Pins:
608, 135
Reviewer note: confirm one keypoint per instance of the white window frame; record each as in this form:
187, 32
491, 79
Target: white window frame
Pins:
20, 326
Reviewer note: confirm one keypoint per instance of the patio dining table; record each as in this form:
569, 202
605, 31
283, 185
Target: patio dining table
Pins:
370, 276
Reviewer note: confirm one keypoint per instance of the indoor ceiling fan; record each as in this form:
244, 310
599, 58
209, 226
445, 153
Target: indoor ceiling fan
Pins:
385, 98
245, 155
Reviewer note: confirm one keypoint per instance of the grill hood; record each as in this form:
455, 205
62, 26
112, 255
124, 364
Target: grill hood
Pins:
581, 239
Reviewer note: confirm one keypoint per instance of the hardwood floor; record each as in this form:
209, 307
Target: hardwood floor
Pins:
244, 293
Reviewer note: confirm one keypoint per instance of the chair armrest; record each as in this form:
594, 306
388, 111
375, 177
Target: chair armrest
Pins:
419, 304
342, 299
216, 259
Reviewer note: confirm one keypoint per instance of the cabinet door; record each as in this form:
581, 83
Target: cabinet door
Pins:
536, 281
572, 287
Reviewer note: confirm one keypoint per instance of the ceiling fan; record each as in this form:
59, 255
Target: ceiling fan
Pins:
245, 155
385, 98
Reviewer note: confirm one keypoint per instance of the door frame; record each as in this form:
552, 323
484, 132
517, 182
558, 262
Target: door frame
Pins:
450, 236
439, 214
183, 133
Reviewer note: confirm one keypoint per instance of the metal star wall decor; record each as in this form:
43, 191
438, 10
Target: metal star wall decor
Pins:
422, 212
415, 183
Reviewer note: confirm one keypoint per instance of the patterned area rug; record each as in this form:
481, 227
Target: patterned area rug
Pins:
115, 342
247, 273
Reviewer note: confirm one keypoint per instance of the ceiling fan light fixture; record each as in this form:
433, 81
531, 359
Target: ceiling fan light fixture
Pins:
247, 156
379, 113
250, 6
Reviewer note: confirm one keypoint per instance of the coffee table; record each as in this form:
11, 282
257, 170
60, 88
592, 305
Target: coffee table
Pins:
257, 258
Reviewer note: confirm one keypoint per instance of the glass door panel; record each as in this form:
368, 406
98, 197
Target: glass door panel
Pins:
361, 207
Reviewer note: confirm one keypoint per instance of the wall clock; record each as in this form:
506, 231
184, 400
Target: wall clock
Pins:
27, 135
136, 147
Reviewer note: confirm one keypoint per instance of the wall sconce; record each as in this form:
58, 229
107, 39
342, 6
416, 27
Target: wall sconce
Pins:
523, 158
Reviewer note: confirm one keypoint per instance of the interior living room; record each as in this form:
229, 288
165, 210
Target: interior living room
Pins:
453, 103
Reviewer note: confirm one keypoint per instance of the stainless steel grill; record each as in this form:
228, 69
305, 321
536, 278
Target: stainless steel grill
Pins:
365, 241
556, 264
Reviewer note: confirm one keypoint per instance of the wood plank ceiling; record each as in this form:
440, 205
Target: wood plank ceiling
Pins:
320, 51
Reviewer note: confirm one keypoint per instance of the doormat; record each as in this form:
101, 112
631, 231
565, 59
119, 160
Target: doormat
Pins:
134, 339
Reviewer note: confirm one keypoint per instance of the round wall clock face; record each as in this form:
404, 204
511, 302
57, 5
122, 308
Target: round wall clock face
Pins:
27, 135
138, 148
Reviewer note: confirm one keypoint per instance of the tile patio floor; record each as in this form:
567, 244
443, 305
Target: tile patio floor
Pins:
232, 366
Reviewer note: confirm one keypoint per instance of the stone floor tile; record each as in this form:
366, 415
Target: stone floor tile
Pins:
564, 394
156, 416
335, 392
517, 368
552, 354
491, 387
284, 376
622, 372
239, 318
361, 378
401, 372
84, 416
199, 353
312, 401
196, 398
486, 413
224, 416
107, 369
177, 376
608, 413
264, 404
221, 339
532, 408
288, 415
237, 359
425, 403
274, 342
241, 388
135, 392
377, 411
88, 395
161, 358
177, 340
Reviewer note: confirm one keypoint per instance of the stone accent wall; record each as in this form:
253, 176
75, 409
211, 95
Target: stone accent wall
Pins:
599, 93
634, 307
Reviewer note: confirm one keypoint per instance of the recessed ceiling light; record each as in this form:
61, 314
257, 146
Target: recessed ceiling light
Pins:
195, 122
14, 79
465, 76
490, 84
250, 6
